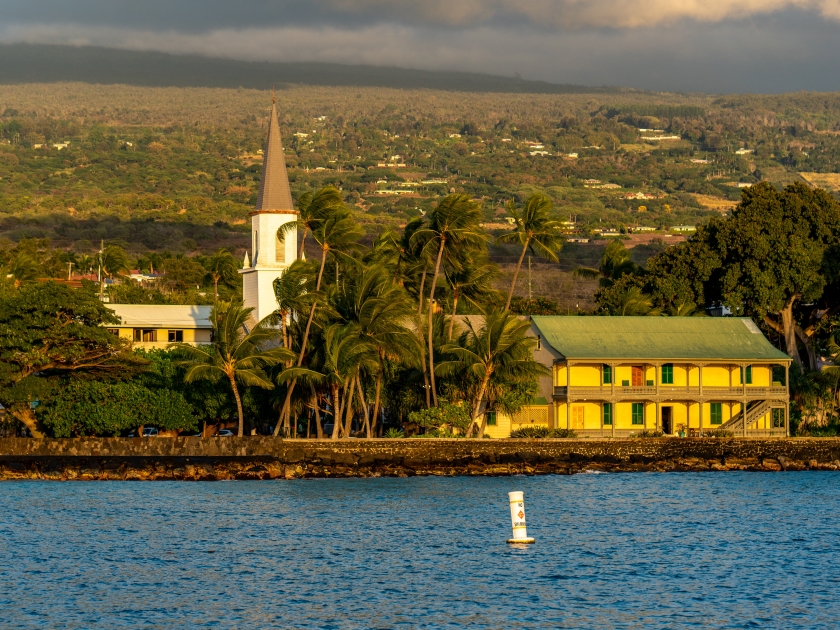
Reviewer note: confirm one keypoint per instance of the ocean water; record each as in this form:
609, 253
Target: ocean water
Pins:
722, 550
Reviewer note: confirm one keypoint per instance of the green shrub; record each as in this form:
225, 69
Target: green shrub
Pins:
563, 433
393, 433
446, 419
542, 432
719, 433
648, 433
90, 408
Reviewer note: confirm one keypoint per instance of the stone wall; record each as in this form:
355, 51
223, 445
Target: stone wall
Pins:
274, 458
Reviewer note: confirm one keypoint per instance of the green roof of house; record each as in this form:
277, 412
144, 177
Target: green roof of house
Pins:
657, 338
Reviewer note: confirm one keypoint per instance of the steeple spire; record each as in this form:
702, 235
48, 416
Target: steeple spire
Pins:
274, 195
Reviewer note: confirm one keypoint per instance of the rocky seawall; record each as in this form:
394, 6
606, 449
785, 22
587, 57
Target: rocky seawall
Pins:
273, 458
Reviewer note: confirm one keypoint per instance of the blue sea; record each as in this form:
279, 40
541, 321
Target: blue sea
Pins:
701, 550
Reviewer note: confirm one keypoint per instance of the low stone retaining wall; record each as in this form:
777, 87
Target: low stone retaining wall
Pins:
274, 458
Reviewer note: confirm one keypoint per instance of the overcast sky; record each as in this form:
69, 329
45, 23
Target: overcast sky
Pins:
680, 45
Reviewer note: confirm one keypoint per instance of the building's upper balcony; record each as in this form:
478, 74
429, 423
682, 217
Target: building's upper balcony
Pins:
671, 392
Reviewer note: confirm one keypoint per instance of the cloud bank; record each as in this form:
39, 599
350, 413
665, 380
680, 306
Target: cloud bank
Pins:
687, 45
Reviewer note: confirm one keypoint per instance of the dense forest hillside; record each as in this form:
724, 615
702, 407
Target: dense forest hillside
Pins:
176, 170
32, 63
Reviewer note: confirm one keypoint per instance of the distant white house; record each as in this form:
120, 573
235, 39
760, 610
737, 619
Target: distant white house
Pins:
744, 151
684, 228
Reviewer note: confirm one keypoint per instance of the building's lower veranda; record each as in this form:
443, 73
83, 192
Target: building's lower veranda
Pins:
620, 376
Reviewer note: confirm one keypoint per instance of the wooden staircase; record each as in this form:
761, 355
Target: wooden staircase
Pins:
755, 410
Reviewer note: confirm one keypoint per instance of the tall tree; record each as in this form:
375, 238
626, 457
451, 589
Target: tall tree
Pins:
48, 333
222, 267
235, 355
454, 223
615, 262
535, 231
473, 282
112, 263
313, 209
500, 348
336, 235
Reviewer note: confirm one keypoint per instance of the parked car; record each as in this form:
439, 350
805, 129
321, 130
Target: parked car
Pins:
147, 432
225, 433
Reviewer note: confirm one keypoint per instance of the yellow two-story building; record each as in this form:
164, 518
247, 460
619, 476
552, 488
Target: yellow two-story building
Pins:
151, 326
619, 376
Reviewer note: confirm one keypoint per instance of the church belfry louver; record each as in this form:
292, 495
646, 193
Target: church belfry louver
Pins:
271, 251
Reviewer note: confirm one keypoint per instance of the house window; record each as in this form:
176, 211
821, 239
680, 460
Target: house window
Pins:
638, 413
668, 374
141, 334
748, 380
176, 336
279, 248
491, 418
716, 413
607, 371
608, 414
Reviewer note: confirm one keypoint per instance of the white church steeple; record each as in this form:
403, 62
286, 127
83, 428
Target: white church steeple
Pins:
272, 251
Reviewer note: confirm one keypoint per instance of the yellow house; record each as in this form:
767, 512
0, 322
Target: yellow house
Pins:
156, 326
618, 376
501, 425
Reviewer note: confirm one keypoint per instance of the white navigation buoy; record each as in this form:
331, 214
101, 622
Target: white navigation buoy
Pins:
517, 519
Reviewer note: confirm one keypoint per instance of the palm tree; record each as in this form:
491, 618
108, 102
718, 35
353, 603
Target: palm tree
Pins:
534, 231
379, 310
22, 268
85, 264
235, 354
112, 262
455, 222
615, 263
293, 291
473, 282
632, 301
336, 235
501, 348
313, 210
223, 267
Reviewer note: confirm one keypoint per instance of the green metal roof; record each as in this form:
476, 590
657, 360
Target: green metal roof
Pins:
657, 338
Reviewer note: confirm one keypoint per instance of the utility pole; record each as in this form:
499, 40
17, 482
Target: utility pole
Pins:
69, 267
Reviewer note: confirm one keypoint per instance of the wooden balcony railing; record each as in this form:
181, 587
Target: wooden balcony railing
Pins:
671, 392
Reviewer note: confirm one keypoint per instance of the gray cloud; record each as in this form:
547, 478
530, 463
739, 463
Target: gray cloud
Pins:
689, 45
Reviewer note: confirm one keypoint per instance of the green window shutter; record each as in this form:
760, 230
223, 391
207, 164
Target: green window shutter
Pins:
607, 369
638, 413
668, 374
608, 414
716, 413
491, 418
749, 375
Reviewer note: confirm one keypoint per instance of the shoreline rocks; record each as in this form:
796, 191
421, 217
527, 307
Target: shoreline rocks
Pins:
267, 458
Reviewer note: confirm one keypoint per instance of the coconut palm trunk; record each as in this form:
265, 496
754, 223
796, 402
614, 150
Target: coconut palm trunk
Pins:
430, 331
232, 379
364, 406
420, 334
285, 411
516, 274
375, 419
348, 412
454, 312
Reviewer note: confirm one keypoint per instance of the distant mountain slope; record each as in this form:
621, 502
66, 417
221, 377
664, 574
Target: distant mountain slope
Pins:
36, 63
